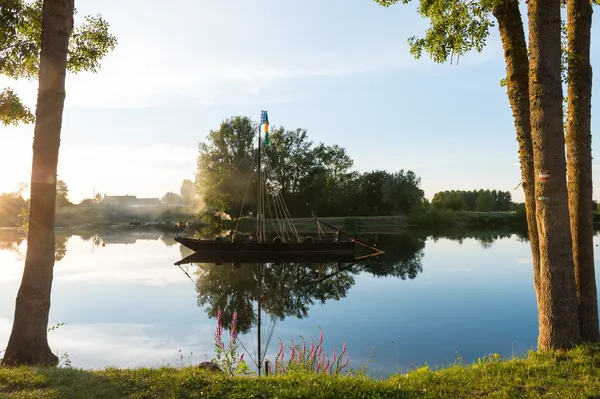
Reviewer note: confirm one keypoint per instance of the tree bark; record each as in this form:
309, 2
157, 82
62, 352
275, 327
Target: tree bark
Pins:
510, 25
557, 304
579, 163
28, 343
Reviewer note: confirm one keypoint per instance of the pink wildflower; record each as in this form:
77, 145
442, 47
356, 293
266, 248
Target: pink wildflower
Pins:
219, 327
242, 357
281, 352
346, 362
233, 332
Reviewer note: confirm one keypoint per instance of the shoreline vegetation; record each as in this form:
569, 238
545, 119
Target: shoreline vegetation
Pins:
553, 374
178, 221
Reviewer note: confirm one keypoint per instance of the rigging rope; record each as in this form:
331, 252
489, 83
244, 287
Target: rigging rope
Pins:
245, 195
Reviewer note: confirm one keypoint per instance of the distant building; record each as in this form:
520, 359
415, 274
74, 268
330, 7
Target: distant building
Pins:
130, 201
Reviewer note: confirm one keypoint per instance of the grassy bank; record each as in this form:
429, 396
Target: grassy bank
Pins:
565, 375
347, 223
433, 220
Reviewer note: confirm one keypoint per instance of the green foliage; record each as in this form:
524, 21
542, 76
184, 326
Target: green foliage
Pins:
457, 27
62, 194
227, 358
224, 166
12, 110
560, 374
172, 199
212, 225
308, 359
20, 45
436, 219
485, 202
402, 192
318, 175
11, 205
460, 200
56, 326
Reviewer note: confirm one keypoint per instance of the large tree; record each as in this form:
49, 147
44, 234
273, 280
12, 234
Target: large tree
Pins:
20, 45
559, 326
458, 27
579, 163
36, 40
28, 343
224, 166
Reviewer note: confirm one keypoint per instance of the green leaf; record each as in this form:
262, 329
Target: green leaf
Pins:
457, 27
20, 45
12, 110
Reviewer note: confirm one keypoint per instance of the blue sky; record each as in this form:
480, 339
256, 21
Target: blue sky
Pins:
339, 68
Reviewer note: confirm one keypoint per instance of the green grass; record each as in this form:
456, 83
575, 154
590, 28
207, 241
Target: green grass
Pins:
564, 375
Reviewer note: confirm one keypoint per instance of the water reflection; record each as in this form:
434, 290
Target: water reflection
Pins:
12, 241
485, 237
290, 289
134, 308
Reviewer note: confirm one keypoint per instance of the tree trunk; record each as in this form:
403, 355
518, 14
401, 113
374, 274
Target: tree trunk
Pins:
557, 304
579, 164
28, 343
510, 25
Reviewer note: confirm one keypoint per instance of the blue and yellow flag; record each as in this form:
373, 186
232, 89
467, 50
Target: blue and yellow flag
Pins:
264, 122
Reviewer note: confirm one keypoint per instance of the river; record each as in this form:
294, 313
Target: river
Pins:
431, 301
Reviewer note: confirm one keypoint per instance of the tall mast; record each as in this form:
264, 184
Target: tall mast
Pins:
259, 317
259, 236
258, 184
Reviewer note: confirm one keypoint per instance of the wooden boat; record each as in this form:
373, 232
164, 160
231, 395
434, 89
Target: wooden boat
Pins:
287, 245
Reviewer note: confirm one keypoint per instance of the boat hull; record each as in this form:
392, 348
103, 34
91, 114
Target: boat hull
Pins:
270, 247
227, 257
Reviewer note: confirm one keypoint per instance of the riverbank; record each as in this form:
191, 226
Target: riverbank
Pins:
431, 220
572, 374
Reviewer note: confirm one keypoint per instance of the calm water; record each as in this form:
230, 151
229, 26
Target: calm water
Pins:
428, 301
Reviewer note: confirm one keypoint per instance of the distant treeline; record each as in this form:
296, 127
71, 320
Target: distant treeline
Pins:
473, 200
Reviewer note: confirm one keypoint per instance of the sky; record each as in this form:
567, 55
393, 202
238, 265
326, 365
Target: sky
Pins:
339, 68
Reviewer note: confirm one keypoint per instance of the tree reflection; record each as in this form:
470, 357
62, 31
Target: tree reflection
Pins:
485, 237
290, 289
402, 259
11, 241
60, 246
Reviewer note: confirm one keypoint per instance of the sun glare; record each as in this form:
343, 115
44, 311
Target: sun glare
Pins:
15, 157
